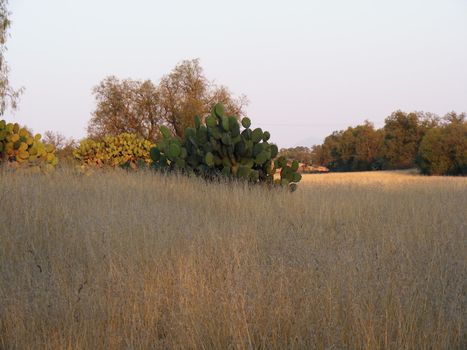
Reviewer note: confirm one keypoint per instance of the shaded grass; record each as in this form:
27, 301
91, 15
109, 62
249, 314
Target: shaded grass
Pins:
137, 260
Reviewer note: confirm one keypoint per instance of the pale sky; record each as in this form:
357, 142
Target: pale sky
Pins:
307, 67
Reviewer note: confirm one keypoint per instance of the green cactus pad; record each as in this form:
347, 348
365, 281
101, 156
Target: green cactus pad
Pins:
246, 134
257, 149
215, 133
226, 139
211, 121
248, 162
183, 153
295, 165
243, 172
240, 148
246, 122
257, 135
190, 132
274, 151
209, 159
219, 110
296, 177
202, 134
234, 127
197, 122
261, 158
225, 123
165, 132
174, 150
180, 163
282, 162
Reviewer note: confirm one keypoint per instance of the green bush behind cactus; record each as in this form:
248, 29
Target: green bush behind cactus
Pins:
125, 150
218, 147
20, 148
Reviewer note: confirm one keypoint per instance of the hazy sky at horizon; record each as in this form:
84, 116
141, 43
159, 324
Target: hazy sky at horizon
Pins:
307, 67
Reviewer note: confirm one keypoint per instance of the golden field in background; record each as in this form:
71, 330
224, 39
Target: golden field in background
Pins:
118, 260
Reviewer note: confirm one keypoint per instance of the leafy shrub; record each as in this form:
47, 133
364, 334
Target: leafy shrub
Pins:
443, 150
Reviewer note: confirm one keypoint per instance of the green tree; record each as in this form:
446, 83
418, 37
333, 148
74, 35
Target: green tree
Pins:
402, 136
8, 96
186, 92
443, 149
126, 106
140, 107
354, 149
300, 153
317, 155
368, 142
331, 156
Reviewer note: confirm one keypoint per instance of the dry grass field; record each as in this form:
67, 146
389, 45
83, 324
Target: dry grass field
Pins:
120, 260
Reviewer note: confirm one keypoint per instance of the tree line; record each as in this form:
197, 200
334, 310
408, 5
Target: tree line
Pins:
437, 146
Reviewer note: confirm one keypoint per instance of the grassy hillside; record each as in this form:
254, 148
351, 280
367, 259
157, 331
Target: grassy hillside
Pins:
121, 260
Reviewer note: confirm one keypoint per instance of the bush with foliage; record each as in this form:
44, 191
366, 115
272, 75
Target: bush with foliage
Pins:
121, 150
354, 149
407, 140
218, 147
443, 150
20, 148
300, 153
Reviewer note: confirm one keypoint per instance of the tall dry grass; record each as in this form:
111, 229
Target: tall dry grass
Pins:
141, 261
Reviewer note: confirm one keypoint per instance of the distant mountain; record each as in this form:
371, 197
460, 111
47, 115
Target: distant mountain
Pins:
310, 141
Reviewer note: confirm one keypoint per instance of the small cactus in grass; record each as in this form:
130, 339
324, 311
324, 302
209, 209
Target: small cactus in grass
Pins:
218, 147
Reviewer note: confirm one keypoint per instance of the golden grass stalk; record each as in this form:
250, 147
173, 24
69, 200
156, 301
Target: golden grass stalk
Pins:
121, 260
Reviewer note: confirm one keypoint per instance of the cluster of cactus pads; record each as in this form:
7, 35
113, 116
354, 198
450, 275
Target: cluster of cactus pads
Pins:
218, 146
125, 150
20, 148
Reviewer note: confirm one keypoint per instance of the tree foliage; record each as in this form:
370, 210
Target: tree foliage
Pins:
140, 107
407, 140
64, 147
300, 153
126, 106
8, 96
354, 149
403, 133
443, 150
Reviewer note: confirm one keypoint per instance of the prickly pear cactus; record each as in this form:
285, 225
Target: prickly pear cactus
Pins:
125, 150
19, 148
222, 146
